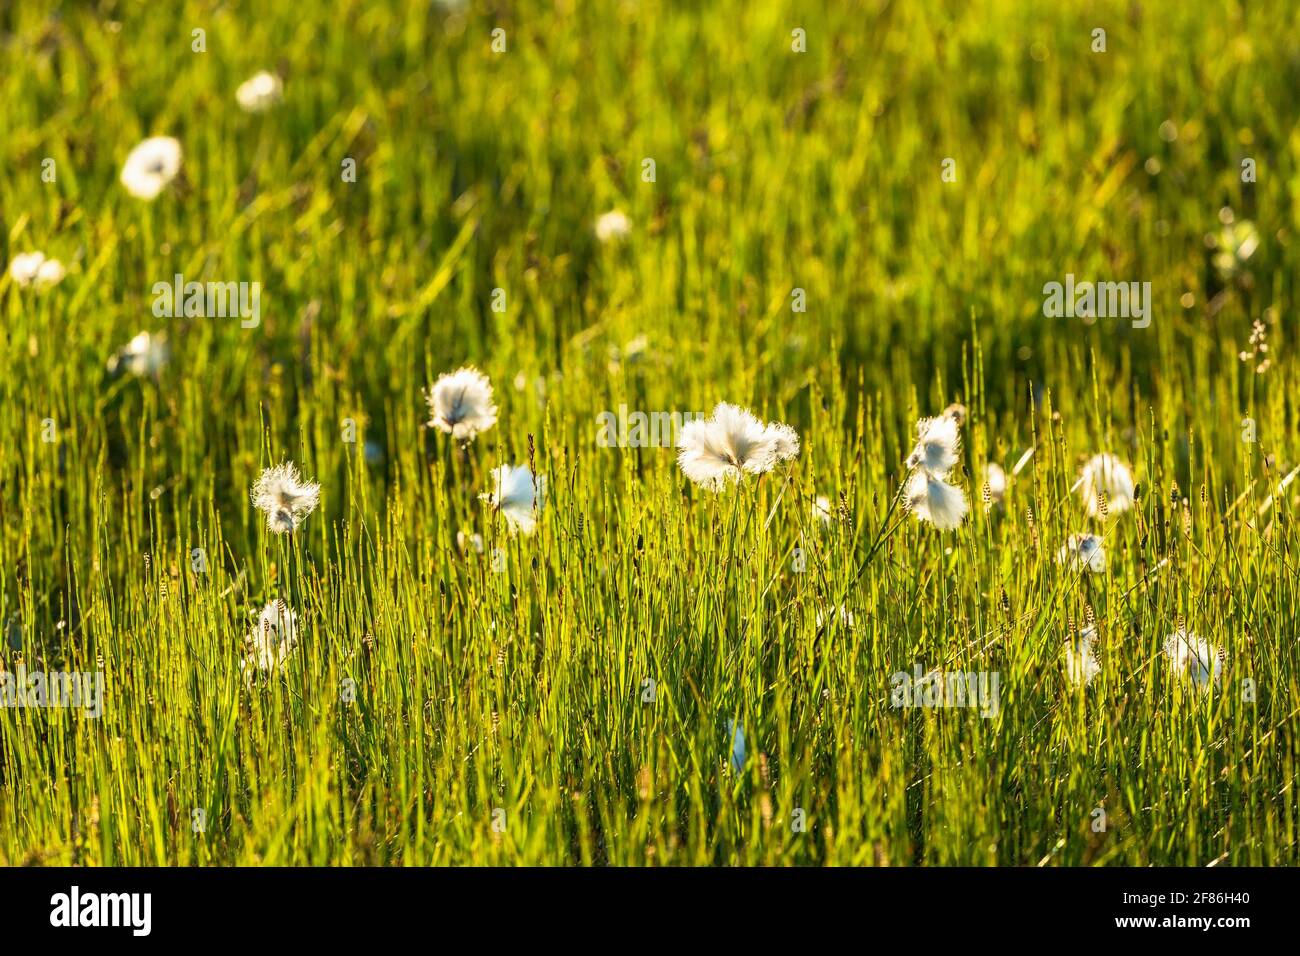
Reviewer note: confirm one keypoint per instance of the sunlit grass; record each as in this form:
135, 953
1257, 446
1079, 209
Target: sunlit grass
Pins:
439, 711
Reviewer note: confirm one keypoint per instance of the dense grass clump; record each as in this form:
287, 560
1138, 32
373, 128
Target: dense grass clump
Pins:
578, 695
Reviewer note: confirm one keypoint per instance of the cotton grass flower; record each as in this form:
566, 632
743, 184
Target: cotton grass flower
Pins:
933, 500
144, 355
260, 92
271, 641
938, 441
1081, 664
731, 443
785, 441
957, 412
633, 352
1194, 658
50, 274
821, 510
460, 403
24, 266
469, 541
926, 493
1234, 245
284, 497
151, 166
1083, 552
518, 495
612, 226
1105, 475
995, 485
34, 269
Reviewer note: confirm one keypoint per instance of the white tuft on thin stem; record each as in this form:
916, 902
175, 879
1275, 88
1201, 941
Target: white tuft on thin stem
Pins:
731, 443
286, 500
460, 403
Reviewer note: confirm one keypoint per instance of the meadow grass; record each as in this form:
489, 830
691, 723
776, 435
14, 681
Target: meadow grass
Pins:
502, 717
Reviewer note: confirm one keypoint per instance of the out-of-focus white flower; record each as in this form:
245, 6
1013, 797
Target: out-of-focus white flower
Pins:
461, 403
260, 92
144, 355
1081, 664
518, 495
1105, 474
1083, 552
33, 269
632, 352
733, 441
821, 509
934, 500
937, 442
50, 274
285, 499
271, 640
995, 484
151, 166
469, 542
24, 266
1234, 245
613, 225
635, 347
1194, 658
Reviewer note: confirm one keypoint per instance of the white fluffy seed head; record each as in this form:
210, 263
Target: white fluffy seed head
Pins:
938, 441
51, 273
1105, 474
785, 441
995, 480
281, 494
1194, 658
460, 403
260, 92
732, 442
24, 266
151, 166
518, 495
821, 509
1083, 552
271, 640
935, 501
34, 269
612, 226
1081, 664
144, 355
